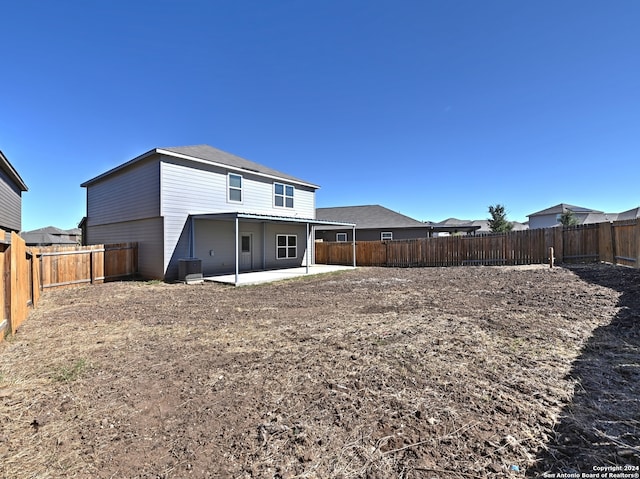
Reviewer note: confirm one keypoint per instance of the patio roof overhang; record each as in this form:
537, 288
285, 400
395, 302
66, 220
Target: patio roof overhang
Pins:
237, 216
269, 218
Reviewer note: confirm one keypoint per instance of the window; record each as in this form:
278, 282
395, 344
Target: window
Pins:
235, 188
341, 237
245, 244
286, 246
386, 235
283, 195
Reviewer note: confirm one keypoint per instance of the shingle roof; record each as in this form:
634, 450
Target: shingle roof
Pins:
52, 230
631, 214
211, 155
369, 217
562, 208
43, 239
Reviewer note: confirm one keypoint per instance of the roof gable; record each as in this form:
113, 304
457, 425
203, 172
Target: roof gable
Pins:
208, 155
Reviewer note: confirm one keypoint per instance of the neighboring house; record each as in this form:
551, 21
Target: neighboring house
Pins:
11, 188
454, 226
200, 202
373, 223
631, 214
550, 217
52, 236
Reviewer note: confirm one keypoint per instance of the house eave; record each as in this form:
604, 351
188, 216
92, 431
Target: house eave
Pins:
12, 173
161, 151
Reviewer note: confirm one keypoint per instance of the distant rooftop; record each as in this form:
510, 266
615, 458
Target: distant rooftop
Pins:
369, 217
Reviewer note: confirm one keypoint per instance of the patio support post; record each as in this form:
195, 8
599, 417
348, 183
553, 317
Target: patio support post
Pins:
308, 248
264, 245
237, 254
354, 245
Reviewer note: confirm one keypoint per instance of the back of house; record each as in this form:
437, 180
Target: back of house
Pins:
201, 202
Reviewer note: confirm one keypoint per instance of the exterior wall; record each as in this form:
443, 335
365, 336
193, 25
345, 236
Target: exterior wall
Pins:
549, 221
131, 194
372, 234
125, 207
273, 229
202, 190
187, 190
219, 237
10, 204
148, 234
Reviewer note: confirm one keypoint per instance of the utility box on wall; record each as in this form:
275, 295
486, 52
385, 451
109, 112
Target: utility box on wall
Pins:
190, 270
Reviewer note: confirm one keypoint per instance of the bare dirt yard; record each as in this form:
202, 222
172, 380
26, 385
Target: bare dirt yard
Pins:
472, 372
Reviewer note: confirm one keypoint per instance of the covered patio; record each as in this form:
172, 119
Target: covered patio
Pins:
258, 277
257, 243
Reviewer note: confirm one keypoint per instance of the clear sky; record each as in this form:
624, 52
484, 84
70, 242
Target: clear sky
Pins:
433, 108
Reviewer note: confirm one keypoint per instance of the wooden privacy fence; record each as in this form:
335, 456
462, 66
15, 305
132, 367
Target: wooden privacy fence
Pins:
610, 242
19, 284
25, 272
70, 265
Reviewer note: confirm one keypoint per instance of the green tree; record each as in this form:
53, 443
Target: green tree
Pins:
568, 218
498, 222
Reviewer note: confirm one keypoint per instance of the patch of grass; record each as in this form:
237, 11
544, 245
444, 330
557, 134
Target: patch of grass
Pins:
66, 374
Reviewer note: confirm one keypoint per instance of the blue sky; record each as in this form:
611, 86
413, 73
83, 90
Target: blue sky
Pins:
433, 108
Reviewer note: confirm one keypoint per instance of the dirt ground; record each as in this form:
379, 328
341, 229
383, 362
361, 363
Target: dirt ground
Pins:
471, 372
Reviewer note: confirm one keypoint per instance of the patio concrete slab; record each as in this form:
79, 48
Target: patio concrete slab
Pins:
257, 277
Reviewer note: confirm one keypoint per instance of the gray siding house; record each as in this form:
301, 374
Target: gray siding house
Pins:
200, 202
11, 188
373, 223
550, 217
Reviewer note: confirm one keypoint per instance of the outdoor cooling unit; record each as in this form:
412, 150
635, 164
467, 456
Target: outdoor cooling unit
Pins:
190, 270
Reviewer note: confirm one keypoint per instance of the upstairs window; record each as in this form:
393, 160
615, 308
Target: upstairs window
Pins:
283, 195
235, 188
286, 246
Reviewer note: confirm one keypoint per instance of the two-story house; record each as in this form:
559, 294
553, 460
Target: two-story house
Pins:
11, 189
550, 217
200, 202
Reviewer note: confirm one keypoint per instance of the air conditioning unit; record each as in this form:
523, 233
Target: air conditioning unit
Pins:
190, 270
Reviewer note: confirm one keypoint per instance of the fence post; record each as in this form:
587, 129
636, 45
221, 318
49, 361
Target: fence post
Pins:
636, 237
5, 322
91, 268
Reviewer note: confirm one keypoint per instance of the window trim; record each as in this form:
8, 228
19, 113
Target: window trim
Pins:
234, 188
287, 246
386, 233
284, 195
344, 235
